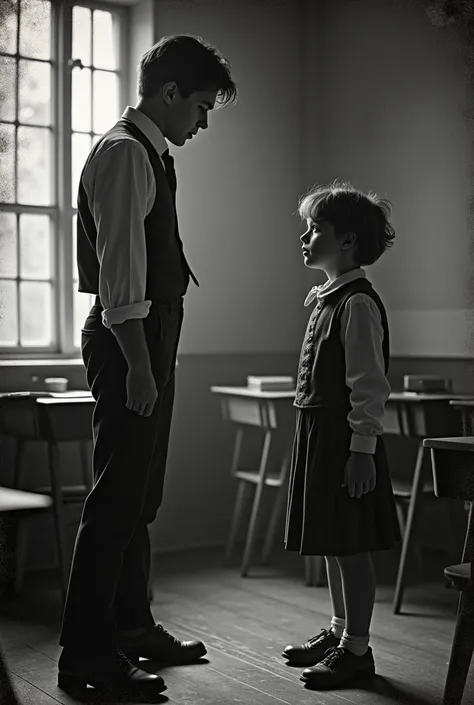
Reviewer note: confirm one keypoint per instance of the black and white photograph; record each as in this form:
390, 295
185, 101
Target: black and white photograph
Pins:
237, 352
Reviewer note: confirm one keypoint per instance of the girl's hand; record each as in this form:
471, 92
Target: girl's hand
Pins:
359, 474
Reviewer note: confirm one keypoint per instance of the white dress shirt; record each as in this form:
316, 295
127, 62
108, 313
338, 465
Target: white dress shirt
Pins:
361, 336
121, 189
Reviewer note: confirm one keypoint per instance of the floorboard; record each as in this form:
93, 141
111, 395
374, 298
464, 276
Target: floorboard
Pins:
245, 624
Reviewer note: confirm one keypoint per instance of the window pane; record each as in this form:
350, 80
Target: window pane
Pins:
35, 313
9, 26
7, 163
75, 273
35, 93
35, 246
81, 34
105, 100
7, 88
34, 166
8, 251
81, 145
82, 306
35, 29
81, 100
105, 41
8, 313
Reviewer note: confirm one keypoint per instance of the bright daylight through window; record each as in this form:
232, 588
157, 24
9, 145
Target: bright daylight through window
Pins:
62, 87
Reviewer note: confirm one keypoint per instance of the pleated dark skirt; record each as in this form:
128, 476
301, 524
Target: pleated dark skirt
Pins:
322, 519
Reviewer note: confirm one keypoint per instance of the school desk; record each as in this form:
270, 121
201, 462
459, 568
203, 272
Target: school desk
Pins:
415, 416
274, 414
54, 418
466, 408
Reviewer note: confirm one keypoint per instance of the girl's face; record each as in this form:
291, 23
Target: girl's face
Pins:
323, 249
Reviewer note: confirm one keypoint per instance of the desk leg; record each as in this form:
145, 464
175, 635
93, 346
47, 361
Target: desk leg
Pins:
468, 551
282, 492
256, 504
58, 511
416, 490
315, 571
461, 651
240, 499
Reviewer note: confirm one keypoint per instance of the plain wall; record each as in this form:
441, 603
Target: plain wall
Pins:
386, 104
239, 181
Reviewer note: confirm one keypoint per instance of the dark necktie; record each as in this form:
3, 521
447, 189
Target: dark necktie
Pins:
168, 161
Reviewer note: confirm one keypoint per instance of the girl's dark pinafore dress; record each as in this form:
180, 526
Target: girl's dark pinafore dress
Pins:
322, 518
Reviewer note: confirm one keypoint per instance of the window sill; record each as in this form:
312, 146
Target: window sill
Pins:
40, 362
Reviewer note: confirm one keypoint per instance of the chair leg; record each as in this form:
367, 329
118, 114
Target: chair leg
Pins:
58, 513
282, 493
400, 517
86, 470
308, 570
315, 571
273, 525
236, 517
256, 505
417, 488
399, 505
461, 651
20, 556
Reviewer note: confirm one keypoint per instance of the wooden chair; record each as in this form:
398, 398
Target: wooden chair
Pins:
453, 472
54, 420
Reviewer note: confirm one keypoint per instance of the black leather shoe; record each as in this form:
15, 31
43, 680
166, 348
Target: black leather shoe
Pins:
339, 667
311, 652
115, 677
159, 645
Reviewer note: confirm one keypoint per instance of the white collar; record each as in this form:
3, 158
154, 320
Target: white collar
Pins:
151, 131
328, 287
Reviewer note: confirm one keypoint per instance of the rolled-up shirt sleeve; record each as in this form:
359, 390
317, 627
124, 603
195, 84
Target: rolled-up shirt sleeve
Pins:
362, 336
120, 187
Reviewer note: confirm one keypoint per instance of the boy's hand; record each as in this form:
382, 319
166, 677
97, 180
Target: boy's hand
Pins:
359, 474
141, 390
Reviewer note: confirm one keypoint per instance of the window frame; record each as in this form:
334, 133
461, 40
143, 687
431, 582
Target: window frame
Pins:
61, 210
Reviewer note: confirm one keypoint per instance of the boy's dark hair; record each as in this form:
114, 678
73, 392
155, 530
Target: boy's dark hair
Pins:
189, 61
350, 210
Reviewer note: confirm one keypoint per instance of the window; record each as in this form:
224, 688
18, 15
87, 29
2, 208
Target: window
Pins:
63, 86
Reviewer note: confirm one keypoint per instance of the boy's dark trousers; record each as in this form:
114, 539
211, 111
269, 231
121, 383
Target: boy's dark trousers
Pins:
108, 587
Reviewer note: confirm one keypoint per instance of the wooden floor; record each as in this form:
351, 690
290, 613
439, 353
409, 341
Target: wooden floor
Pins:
245, 623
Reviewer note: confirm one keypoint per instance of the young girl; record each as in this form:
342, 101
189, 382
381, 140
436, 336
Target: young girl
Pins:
340, 501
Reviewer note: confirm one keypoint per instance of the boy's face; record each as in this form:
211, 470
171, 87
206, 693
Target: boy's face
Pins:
319, 244
324, 249
185, 116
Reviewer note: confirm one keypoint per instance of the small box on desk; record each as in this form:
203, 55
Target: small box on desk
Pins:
426, 383
271, 384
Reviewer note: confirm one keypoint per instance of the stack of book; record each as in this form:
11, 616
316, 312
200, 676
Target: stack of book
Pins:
271, 384
426, 384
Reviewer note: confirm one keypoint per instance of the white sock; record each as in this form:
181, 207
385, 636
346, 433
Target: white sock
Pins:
337, 626
357, 645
